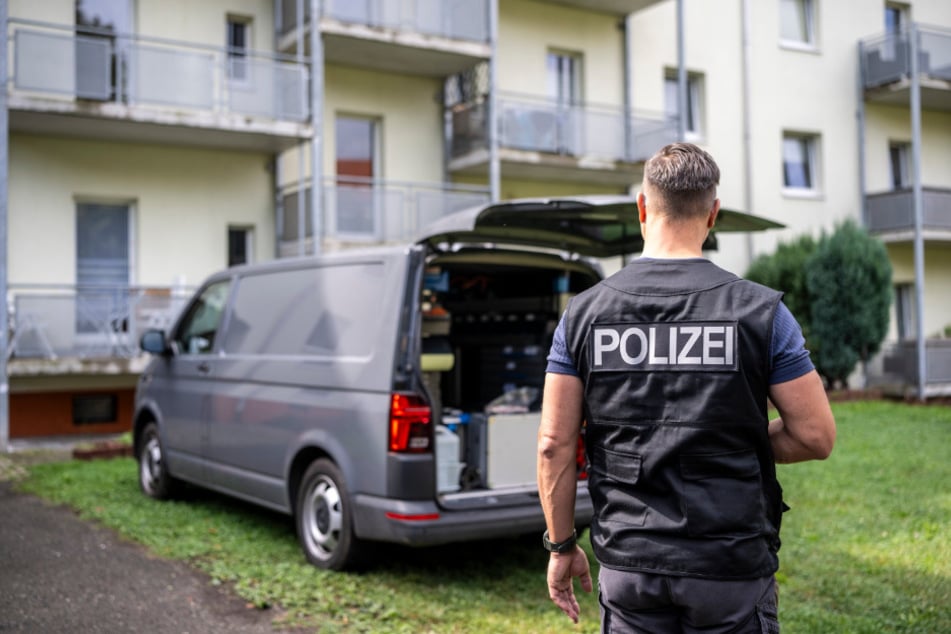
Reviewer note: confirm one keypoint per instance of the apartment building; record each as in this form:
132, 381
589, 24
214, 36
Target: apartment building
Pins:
152, 142
816, 113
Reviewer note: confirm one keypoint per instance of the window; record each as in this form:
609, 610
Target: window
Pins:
895, 17
95, 408
97, 48
905, 313
564, 78
239, 36
800, 162
694, 96
899, 162
196, 335
356, 165
797, 22
103, 267
240, 245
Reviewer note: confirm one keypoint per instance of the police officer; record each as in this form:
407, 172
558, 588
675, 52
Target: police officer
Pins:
669, 363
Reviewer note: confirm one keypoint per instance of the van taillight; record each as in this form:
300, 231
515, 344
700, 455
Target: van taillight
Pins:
410, 418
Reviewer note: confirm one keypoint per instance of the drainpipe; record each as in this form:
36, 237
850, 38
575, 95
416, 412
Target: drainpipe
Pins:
681, 75
747, 53
317, 117
860, 121
918, 198
495, 167
4, 173
628, 66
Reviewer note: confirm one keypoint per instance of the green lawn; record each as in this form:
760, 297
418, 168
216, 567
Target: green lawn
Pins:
866, 547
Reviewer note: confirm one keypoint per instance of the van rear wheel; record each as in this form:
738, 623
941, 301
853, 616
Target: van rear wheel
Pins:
324, 519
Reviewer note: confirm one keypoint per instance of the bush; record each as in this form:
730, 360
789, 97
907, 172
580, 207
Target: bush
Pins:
838, 289
849, 282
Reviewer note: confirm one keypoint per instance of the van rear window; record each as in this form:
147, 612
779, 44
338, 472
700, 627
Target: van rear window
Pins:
315, 311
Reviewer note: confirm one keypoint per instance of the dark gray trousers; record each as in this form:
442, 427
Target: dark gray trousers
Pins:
638, 602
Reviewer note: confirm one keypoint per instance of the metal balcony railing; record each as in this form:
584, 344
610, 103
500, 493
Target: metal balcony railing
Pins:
88, 322
894, 211
373, 211
543, 125
69, 62
899, 363
887, 58
466, 20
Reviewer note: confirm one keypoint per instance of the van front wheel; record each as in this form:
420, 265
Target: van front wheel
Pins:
324, 519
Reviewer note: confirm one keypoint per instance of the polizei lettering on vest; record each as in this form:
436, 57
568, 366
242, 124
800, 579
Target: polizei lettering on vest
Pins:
674, 346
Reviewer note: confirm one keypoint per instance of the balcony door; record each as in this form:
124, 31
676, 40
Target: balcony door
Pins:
103, 273
358, 208
564, 84
100, 48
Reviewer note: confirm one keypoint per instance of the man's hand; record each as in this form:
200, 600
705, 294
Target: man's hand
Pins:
562, 568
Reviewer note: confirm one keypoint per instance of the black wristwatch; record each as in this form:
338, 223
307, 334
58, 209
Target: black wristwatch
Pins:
560, 547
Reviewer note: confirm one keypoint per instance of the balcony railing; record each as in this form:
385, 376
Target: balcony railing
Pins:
101, 66
899, 365
370, 211
542, 125
452, 19
88, 322
894, 211
887, 58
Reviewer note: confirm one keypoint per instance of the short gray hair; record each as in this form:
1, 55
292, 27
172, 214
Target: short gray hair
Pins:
685, 176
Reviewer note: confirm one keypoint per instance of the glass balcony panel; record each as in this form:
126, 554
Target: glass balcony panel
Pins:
267, 88
172, 77
48, 62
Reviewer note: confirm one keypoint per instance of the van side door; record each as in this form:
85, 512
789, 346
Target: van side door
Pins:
183, 388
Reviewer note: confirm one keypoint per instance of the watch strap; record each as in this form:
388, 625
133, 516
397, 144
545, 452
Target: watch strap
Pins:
560, 547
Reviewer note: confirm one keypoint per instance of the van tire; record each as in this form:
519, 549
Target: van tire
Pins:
324, 519
154, 478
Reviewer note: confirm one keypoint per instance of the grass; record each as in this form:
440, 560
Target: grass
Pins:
866, 547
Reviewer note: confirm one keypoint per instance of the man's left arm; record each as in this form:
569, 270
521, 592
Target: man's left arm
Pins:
557, 485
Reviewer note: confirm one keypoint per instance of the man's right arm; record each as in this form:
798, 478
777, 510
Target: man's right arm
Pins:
805, 429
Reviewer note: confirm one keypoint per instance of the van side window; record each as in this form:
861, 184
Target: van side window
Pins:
196, 335
323, 311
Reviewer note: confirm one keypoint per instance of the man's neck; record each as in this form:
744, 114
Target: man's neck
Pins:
671, 252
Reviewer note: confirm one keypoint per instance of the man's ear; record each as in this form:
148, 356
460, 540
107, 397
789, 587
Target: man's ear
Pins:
712, 218
641, 207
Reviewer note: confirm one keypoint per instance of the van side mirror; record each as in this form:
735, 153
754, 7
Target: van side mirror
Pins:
154, 341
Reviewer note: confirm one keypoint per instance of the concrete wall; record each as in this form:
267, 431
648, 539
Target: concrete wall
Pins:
182, 200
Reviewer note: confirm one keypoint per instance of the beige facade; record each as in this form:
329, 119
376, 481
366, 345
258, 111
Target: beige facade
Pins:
206, 152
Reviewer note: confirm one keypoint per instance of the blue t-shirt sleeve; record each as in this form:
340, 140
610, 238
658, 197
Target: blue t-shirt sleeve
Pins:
789, 358
559, 359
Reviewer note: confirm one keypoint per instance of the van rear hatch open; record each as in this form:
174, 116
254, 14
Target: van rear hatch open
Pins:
497, 280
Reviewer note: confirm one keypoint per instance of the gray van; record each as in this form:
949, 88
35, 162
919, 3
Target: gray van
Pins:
381, 395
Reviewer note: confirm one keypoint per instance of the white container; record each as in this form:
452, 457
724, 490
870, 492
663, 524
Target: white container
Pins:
448, 466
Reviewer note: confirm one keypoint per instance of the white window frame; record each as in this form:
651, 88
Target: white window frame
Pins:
805, 11
695, 103
906, 321
233, 60
558, 83
900, 150
810, 145
248, 231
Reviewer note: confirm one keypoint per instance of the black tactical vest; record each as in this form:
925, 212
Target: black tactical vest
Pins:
674, 359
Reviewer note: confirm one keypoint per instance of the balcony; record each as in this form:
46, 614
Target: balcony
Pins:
434, 38
613, 7
542, 139
886, 67
896, 368
103, 85
62, 329
891, 215
362, 211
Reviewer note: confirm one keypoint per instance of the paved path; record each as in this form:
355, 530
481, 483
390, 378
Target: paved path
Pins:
61, 574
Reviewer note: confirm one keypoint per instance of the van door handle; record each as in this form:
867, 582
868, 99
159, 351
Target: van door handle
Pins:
204, 368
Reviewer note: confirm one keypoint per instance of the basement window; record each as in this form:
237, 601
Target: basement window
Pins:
89, 409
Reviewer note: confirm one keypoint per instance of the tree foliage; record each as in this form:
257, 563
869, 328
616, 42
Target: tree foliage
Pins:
839, 289
849, 281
